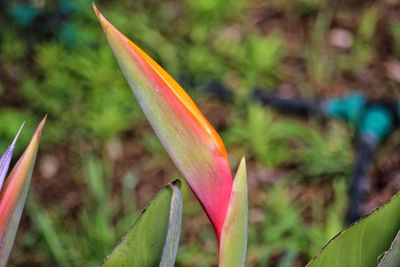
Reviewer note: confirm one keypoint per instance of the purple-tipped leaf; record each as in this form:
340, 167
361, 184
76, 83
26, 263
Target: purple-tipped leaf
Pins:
6, 158
13, 195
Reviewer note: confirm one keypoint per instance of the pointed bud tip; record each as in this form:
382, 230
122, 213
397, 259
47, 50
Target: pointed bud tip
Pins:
40, 127
96, 10
177, 183
242, 165
103, 21
17, 135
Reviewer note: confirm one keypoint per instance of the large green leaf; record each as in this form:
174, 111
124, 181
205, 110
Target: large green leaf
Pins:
153, 239
392, 256
361, 244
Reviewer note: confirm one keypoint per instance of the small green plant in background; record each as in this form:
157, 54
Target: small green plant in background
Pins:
278, 142
95, 229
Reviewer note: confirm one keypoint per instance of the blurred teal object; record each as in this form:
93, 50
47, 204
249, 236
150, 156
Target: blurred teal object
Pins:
377, 123
348, 108
372, 119
69, 35
66, 7
23, 14
46, 23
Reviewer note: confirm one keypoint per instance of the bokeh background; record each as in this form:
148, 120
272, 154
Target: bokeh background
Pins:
100, 162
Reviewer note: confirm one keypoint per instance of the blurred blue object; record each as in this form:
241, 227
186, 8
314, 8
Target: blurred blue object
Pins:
66, 7
377, 123
23, 14
348, 108
46, 23
372, 119
69, 35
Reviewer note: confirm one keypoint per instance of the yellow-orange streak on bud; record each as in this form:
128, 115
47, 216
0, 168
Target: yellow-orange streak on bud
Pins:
174, 87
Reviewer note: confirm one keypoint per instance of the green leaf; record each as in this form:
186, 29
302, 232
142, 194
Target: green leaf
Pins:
232, 248
43, 224
392, 256
154, 237
361, 244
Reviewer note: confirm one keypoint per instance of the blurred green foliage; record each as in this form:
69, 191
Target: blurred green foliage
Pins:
92, 234
275, 142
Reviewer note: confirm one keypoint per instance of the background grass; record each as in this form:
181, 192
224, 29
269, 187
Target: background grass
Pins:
100, 162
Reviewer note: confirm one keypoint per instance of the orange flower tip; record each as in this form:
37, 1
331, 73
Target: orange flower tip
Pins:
96, 10
100, 17
40, 127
